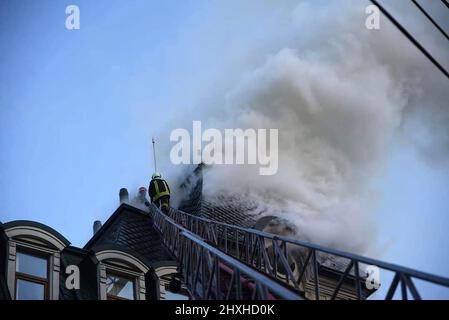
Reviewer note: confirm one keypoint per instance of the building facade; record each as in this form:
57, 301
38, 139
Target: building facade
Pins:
125, 259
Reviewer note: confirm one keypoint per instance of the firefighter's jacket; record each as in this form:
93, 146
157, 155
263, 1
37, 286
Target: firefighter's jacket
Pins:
157, 189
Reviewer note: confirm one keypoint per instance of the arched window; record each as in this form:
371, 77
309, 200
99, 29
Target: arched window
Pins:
166, 291
121, 276
33, 263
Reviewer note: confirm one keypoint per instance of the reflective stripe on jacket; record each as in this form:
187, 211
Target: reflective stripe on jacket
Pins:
158, 188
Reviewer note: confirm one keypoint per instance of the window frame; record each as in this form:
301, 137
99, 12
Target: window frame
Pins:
122, 264
182, 292
163, 273
32, 278
39, 240
125, 275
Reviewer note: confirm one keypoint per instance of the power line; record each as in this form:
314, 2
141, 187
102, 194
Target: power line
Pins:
430, 18
445, 3
411, 38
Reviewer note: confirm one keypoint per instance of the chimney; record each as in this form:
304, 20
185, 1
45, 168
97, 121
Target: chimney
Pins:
123, 195
97, 226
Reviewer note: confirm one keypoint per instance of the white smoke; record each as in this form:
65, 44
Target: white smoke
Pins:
339, 95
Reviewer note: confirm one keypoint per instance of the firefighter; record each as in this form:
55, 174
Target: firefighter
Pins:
140, 201
159, 192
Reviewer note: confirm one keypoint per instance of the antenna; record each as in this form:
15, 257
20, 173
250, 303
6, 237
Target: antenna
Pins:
154, 154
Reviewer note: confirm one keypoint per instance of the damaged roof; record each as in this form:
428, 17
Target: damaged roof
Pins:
232, 210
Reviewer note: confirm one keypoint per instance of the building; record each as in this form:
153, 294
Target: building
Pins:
126, 259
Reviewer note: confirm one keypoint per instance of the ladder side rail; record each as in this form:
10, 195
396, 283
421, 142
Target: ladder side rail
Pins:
403, 273
199, 271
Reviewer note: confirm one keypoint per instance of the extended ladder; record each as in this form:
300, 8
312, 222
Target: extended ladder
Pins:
223, 261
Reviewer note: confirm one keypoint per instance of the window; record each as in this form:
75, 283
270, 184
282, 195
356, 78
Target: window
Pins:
33, 260
176, 296
119, 287
121, 276
173, 289
31, 280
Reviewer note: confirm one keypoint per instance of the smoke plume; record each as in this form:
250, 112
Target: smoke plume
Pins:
339, 94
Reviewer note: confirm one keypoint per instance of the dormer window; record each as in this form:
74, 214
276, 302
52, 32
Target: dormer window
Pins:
119, 287
166, 292
33, 260
121, 276
31, 281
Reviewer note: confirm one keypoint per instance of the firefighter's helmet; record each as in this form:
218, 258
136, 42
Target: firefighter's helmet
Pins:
156, 175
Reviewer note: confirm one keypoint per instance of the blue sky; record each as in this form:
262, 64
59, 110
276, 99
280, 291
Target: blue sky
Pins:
78, 109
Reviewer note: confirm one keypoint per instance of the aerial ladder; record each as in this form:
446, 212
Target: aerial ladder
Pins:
221, 261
